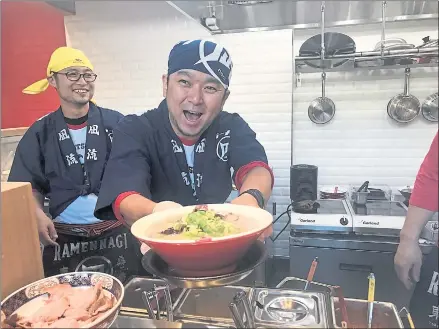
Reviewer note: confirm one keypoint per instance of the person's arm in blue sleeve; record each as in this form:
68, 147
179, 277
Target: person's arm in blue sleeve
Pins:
249, 161
125, 189
28, 167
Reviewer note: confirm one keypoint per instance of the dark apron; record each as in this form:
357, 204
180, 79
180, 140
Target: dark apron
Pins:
115, 252
424, 302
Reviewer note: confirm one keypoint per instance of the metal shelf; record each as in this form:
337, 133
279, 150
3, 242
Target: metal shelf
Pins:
347, 67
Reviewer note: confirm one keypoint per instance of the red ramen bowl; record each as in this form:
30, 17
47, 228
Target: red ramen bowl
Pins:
205, 256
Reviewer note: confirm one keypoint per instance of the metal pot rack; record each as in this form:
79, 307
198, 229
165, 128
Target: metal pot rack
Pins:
432, 52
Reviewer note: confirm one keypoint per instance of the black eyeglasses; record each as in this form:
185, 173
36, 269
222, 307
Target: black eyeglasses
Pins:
75, 76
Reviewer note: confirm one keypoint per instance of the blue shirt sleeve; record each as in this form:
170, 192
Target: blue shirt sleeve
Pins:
28, 164
128, 167
244, 147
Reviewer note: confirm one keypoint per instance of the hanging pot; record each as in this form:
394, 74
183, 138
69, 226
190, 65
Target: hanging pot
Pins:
404, 107
335, 44
429, 108
322, 109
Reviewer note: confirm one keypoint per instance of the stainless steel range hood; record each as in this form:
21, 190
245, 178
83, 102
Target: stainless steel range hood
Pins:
255, 15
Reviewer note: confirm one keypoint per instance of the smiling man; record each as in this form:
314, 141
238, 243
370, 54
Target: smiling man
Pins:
63, 156
182, 152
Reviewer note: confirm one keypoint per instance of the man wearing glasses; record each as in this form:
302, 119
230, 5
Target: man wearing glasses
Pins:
63, 156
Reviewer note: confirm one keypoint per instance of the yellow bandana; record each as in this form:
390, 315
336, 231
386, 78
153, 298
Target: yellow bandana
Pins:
61, 58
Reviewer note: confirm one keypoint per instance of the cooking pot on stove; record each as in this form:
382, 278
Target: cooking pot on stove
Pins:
406, 193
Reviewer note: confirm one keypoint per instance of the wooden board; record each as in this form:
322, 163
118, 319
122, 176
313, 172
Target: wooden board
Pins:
21, 261
9, 132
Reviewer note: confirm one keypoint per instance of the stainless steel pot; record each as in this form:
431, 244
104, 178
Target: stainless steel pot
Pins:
429, 108
404, 107
322, 109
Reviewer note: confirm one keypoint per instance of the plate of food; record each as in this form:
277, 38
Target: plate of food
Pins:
69, 300
203, 240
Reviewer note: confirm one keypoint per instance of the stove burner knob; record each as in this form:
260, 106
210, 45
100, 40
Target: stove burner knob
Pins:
344, 221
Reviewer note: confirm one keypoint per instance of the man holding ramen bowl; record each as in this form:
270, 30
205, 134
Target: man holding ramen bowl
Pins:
183, 152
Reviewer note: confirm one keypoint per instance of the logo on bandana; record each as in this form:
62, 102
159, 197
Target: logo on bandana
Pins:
210, 61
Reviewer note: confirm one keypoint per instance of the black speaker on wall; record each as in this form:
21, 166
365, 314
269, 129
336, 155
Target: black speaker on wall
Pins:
303, 182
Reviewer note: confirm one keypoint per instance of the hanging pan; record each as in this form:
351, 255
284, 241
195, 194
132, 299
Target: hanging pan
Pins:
404, 108
322, 109
327, 44
429, 108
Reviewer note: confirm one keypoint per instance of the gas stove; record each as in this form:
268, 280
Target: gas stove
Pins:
378, 217
331, 216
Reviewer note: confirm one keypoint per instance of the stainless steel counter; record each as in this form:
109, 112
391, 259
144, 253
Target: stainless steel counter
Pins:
123, 321
137, 322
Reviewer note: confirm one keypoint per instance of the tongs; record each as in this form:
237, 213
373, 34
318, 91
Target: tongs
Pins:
148, 296
241, 311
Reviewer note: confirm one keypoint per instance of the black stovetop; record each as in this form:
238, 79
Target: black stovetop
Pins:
379, 208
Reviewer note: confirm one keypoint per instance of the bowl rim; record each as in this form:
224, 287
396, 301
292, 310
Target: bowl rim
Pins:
98, 319
135, 228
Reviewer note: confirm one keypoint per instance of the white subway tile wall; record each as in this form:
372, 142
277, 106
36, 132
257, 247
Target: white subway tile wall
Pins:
129, 41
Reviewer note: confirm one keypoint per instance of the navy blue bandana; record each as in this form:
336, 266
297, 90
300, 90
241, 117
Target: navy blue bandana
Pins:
204, 56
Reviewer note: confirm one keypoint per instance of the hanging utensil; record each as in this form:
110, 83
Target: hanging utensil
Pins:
329, 43
404, 107
370, 299
429, 108
409, 317
168, 301
391, 44
343, 308
322, 109
364, 186
146, 296
427, 43
241, 311
383, 32
312, 271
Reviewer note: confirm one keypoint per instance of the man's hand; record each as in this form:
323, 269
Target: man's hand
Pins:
46, 230
164, 205
248, 200
408, 262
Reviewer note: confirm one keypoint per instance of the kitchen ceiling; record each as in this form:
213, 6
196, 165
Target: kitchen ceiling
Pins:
237, 15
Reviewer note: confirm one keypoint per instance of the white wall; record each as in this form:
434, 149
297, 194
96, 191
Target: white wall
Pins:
129, 42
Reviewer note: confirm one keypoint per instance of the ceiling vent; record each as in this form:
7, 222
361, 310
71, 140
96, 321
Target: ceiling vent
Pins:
247, 2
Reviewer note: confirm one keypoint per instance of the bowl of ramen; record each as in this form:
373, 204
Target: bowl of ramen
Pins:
205, 240
69, 300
